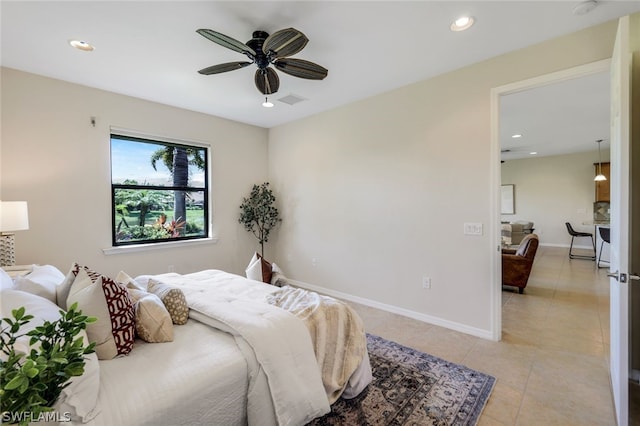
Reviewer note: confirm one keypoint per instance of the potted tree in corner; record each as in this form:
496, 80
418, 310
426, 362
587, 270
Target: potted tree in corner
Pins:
258, 213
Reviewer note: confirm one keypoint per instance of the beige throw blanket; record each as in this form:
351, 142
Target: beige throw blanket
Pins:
336, 330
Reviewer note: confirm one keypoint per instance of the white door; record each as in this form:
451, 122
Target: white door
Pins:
619, 283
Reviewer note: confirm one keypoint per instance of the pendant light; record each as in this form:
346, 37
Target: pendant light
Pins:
599, 177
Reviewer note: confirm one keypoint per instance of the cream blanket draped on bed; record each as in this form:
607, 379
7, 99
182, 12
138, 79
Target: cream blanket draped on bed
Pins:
282, 347
337, 332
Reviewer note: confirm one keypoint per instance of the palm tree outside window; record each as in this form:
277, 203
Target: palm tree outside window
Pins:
159, 191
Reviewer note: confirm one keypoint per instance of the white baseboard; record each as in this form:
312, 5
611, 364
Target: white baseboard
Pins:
484, 334
575, 246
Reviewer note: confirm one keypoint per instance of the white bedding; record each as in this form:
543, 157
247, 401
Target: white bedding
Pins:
173, 384
280, 341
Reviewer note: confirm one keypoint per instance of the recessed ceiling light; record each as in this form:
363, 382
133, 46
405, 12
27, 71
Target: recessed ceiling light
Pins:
462, 23
585, 7
533, 153
516, 136
81, 45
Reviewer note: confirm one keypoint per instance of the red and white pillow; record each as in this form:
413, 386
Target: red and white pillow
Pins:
99, 296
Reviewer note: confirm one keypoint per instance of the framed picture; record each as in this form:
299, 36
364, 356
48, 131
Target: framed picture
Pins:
508, 199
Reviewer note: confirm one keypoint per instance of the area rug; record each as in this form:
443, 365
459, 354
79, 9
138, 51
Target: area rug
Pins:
412, 388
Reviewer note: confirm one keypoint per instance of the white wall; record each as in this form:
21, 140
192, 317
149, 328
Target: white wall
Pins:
374, 195
550, 191
377, 192
53, 158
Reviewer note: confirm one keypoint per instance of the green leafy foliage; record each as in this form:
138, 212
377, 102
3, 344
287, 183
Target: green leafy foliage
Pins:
258, 213
31, 383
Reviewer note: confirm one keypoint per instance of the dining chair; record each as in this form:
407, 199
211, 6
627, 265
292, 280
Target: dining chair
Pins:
605, 236
575, 234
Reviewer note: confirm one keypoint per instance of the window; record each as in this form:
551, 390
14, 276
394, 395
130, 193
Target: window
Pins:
159, 191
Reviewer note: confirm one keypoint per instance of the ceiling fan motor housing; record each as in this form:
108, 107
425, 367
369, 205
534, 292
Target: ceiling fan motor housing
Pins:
261, 59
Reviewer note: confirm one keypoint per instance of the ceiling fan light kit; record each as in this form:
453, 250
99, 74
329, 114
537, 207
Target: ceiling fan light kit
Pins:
267, 104
265, 50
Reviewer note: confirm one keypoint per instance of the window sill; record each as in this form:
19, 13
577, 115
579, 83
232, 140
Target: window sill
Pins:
157, 246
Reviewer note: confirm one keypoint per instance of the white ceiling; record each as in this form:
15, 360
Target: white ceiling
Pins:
555, 119
150, 50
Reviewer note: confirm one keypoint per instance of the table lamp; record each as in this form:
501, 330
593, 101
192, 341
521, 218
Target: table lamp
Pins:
14, 216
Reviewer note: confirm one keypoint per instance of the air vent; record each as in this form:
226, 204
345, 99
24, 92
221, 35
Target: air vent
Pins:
292, 99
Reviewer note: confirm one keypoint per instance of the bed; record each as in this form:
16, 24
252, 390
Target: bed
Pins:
249, 353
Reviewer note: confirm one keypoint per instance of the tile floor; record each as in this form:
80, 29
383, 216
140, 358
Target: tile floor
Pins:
552, 364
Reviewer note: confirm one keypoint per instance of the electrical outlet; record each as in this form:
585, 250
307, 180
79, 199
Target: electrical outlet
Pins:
314, 261
171, 268
426, 283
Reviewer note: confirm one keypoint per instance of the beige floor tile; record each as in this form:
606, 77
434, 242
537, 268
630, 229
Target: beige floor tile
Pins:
552, 362
487, 420
534, 412
504, 404
447, 344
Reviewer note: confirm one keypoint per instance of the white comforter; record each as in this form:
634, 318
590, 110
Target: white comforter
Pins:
280, 341
193, 380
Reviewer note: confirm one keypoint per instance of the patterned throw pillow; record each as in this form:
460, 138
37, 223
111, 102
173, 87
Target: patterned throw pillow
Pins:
153, 321
100, 296
173, 299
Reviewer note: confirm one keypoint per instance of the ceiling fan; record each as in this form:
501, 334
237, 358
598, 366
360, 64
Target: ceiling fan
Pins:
265, 50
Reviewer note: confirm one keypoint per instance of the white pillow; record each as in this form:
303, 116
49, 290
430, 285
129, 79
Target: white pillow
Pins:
124, 279
42, 281
6, 283
259, 269
62, 290
254, 269
80, 398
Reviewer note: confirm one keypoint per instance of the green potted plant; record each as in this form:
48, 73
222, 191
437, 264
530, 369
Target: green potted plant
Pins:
258, 213
31, 383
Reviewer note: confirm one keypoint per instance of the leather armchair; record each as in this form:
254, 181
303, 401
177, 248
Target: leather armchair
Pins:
517, 263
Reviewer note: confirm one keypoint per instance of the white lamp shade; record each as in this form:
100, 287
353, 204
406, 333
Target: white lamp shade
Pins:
14, 216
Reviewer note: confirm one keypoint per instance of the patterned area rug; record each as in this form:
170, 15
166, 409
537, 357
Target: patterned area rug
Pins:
413, 388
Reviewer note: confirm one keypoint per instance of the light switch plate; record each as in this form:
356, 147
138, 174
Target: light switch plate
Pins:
473, 229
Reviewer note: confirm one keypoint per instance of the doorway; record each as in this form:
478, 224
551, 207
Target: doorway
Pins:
497, 95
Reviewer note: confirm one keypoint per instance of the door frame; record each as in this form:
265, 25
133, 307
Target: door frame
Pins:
496, 180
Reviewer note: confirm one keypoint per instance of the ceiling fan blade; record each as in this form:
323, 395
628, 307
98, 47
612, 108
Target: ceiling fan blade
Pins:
267, 81
284, 43
229, 66
226, 41
301, 68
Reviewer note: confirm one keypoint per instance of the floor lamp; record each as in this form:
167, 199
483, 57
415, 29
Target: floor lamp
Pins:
14, 216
